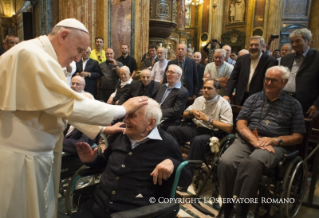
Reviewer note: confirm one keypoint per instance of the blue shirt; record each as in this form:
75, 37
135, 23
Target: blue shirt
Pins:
281, 117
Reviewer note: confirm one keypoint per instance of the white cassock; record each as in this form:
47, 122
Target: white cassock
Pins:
35, 100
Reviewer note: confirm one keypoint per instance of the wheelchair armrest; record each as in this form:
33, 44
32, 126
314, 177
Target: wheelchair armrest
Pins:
291, 154
229, 138
153, 210
90, 171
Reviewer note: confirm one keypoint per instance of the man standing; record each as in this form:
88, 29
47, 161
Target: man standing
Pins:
227, 48
110, 75
189, 76
200, 68
127, 60
35, 107
219, 69
209, 113
98, 53
158, 70
303, 83
172, 96
278, 121
249, 71
90, 70
149, 62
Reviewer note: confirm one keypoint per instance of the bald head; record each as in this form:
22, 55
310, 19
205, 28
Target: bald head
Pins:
78, 84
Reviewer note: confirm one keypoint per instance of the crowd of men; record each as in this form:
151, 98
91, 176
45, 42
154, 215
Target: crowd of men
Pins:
143, 154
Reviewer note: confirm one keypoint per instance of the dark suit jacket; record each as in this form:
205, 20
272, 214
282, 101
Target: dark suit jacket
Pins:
200, 75
92, 66
189, 74
240, 75
69, 141
148, 62
135, 86
307, 78
174, 104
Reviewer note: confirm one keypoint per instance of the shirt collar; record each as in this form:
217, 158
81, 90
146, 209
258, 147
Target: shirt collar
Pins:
304, 54
127, 82
154, 135
177, 85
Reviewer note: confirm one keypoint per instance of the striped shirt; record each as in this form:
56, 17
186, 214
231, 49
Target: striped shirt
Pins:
281, 117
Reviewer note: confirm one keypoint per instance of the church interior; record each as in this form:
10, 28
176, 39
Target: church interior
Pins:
168, 23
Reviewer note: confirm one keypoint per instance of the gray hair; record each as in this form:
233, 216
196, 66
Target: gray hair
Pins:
177, 69
146, 70
221, 51
243, 51
304, 33
163, 49
284, 70
153, 110
262, 41
126, 69
79, 77
198, 53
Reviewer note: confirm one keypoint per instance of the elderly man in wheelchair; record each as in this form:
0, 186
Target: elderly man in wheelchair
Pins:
269, 124
211, 116
139, 165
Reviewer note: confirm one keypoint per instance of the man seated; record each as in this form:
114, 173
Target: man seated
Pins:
140, 164
144, 87
269, 124
71, 134
209, 113
172, 96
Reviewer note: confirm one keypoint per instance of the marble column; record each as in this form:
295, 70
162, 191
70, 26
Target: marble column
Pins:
45, 16
180, 15
274, 22
102, 24
216, 17
250, 12
314, 20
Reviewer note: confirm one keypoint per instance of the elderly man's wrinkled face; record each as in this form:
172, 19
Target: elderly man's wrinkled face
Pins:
228, 51
219, 59
109, 53
137, 125
299, 44
161, 55
77, 84
273, 82
255, 48
12, 41
124, 75
197, 58
146, 77
87, 54
181, 50
99, 44
172, 77
73, 45
285, 49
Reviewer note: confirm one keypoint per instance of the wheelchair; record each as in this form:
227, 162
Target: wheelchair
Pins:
159, 210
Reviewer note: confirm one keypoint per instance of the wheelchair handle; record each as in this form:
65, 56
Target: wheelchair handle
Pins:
178, 173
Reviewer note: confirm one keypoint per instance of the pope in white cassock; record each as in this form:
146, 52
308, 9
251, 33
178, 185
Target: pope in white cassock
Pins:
35, 100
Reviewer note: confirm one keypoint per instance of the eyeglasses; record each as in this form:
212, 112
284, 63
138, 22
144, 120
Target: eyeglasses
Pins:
170, 72
267, 80
77, 84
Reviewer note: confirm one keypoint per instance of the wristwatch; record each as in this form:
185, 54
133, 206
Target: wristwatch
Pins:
281, 142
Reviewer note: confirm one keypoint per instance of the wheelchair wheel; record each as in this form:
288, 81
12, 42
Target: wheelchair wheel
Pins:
293, 188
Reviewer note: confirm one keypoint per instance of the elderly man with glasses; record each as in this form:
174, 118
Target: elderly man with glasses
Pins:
172, 96
269, 125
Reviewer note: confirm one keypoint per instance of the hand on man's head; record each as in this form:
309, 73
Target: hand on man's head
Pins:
135, 103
